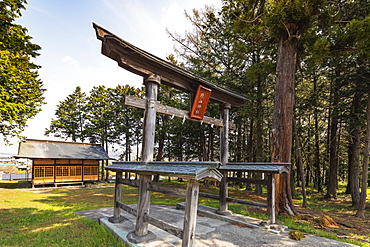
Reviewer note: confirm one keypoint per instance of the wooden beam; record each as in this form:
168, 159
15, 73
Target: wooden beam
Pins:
171, 111
117, 195
271, 198
155, 222
191, 209
179, 192
247, 180
151, 91
143, 63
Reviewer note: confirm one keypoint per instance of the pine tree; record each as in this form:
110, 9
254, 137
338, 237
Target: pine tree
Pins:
21, 92
70, 119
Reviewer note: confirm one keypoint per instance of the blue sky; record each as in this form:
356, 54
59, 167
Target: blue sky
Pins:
70, 54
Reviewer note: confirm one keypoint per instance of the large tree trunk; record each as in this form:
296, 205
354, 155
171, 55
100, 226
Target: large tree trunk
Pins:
354, 165
333, 142
318, 177
365, 165
283, 116
300, 166
259, 134
333, 158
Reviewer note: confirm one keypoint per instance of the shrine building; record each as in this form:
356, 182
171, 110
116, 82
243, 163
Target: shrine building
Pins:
58, 162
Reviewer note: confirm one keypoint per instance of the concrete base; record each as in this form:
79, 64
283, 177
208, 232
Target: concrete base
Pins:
133, 238
116, 220
224, 212
218, 231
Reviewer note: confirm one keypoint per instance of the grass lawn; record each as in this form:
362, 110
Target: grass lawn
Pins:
48, 219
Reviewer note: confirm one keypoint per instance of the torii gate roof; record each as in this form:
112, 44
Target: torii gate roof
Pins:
144, 64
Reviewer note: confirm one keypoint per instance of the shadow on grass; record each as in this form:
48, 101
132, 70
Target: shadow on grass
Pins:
33, 227
15, 184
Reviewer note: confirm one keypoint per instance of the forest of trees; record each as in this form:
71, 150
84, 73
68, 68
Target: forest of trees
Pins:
312, 52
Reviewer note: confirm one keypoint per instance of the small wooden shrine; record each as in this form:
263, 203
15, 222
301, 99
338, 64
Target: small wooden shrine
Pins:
156, 71
56, 162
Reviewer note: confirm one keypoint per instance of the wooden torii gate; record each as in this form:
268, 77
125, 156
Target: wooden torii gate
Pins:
156, 71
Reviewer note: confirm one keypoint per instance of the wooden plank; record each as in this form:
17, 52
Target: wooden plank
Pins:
127, 208
223, 194
117, 195
234, 200
172, 229
247, 180
247, 203
171, 111
190, 217
155, 222
271, 198
179, 192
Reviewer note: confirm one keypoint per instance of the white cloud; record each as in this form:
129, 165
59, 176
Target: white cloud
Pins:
70, 61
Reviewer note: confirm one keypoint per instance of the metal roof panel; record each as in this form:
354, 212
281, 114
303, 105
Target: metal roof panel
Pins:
60, 150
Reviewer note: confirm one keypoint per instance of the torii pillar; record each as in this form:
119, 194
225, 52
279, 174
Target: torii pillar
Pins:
224, 157
141, 233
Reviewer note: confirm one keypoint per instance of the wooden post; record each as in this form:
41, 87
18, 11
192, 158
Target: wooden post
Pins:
271, 198
141, 233
224, 134
117, 198
151, 91
117, 195
190, 217
224, 152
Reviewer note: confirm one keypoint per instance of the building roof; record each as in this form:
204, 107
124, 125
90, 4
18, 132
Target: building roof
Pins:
33, 149
144, 64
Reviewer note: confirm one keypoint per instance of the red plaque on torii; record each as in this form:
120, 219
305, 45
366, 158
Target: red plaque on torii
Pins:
200, 102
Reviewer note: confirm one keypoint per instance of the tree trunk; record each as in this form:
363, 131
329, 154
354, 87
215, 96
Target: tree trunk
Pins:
365, 165
283, 116
333, 141
159, 156
300, 166
318, 176
127, 147
354, 164
211, 149
202, 146
259, 134
248, 186
106, 161
333, 157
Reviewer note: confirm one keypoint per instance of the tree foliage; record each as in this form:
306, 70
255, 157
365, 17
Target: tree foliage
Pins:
71, 117
21, 92
331, 50
244, 47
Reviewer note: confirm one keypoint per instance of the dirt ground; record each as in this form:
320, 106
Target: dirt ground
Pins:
340, 210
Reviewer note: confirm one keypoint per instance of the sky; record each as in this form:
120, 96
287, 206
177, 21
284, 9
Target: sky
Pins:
71, 56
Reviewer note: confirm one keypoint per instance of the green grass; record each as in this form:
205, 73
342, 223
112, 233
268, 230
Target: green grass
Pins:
48, 219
